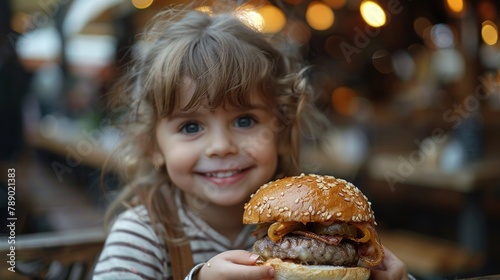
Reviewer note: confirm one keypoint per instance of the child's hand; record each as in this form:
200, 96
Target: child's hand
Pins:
391, 268
235, 264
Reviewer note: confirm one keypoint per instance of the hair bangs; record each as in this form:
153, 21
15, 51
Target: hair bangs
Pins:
226, 72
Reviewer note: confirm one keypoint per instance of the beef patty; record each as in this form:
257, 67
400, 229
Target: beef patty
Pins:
307, 250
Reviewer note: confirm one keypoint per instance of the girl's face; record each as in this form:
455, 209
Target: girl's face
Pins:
220, 156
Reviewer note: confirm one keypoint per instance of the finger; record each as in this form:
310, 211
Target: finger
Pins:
237, 271
256, 272
241, 257
390, 268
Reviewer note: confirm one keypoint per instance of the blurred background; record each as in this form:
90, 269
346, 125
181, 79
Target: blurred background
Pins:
411, 88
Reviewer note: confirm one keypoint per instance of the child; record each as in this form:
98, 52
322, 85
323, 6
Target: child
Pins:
215, 112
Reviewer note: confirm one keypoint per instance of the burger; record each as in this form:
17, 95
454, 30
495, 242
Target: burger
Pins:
314, 227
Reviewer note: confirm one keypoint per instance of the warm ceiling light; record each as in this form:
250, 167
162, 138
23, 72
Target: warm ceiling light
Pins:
455, 6
249, 16
343, 100
319, 16
273, 18
142, 4
372, 13
489, 33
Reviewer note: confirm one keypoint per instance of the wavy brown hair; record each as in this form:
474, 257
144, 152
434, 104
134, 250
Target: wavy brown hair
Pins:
226, 60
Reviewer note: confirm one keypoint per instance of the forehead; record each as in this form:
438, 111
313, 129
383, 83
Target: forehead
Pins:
190, 97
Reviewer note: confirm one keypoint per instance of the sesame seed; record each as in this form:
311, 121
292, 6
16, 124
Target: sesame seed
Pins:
249, 212
328, 217
296, 201
341, 194
339, 214
347, 199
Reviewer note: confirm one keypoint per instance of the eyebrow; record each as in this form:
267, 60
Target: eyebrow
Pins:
195, 113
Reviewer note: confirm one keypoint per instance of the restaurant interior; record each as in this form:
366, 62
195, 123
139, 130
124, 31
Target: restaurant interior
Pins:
411, 88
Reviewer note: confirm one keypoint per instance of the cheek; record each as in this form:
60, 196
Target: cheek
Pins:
264, 146
180, 160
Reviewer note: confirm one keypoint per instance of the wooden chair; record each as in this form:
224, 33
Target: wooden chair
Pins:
53, 255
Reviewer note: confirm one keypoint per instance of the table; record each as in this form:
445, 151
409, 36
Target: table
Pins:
470, 181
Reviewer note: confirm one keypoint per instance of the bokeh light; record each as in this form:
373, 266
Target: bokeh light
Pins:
489, 33
249, 15
319, 16
420, 24
343, 100
381, 60
372, 13
273, 18
442, 36
142, 4
455, 6
403, 64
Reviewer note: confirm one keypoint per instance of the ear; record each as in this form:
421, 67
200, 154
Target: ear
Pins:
157, 158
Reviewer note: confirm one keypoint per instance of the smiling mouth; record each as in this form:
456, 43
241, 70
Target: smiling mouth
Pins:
222, 174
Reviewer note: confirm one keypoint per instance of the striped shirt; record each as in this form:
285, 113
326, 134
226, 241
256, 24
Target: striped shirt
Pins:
133, 251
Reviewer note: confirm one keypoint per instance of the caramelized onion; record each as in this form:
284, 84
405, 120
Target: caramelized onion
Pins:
277, 230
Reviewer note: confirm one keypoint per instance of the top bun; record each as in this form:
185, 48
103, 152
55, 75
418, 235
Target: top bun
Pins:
308, 198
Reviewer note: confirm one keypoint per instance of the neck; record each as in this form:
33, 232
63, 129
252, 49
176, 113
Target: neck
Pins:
227, 220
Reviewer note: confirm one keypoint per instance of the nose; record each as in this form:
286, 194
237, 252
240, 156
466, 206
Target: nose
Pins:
221, 143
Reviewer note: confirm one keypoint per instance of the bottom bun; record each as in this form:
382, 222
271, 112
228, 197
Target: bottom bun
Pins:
292, 271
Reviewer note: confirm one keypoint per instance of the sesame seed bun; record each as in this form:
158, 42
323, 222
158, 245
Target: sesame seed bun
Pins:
292, 271
308, 198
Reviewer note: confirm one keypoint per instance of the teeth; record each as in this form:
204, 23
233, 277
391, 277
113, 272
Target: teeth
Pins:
222, 174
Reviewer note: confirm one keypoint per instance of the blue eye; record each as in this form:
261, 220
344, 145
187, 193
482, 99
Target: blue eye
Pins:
245, 122
190, 127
